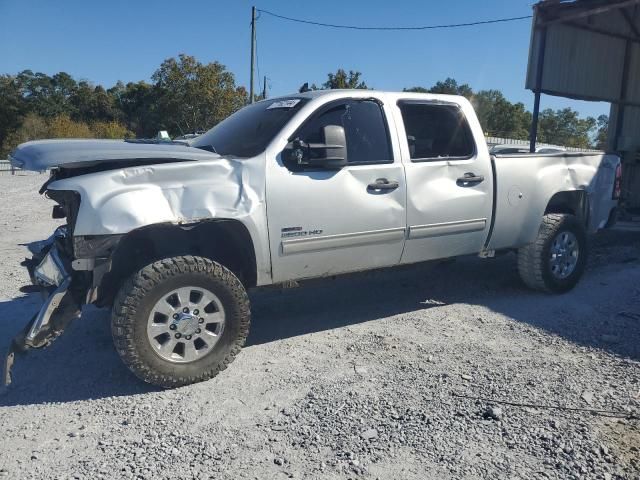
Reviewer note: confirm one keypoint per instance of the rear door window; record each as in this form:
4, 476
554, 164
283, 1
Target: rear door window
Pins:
436, 131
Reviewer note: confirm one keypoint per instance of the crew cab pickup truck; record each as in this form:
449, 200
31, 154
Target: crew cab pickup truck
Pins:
171, 235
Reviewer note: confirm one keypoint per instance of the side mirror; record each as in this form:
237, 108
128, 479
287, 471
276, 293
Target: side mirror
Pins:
332, 154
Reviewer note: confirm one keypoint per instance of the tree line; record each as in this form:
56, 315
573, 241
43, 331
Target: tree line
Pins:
185, 96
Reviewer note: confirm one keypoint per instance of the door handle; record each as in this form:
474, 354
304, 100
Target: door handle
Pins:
470, 179
382, 184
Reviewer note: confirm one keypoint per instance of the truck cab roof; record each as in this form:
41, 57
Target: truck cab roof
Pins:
378, 94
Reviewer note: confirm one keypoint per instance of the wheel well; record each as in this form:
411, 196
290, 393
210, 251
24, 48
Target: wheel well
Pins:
227, 242
573, 202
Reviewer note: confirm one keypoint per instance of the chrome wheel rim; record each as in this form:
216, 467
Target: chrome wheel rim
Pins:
185, 324
564, 255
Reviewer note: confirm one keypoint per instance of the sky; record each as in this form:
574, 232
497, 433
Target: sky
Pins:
109, 40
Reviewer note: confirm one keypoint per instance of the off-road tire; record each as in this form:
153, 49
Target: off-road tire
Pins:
137, 296
533, 260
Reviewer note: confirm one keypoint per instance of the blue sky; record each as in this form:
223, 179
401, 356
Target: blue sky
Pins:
108, 40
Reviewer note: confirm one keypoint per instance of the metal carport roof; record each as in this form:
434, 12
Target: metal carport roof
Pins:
590, 50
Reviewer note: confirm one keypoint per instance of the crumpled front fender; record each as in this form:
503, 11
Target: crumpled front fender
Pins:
119, 201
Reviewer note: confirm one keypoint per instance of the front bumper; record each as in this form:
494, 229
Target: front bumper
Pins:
49, 270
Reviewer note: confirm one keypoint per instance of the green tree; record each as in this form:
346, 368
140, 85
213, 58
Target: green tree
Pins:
138, 103
342, 79
602, 123
499, 117
564, 127
416, 90
448, 87
12, 106
63, 126
193, 96
93, 103
110, 129
33, 127
64, 86
36, 127
43, 94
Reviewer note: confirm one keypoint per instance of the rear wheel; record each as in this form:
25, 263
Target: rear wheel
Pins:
180, 320
556, 260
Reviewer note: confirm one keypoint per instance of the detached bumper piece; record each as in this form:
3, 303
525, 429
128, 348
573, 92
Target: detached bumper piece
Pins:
49, 270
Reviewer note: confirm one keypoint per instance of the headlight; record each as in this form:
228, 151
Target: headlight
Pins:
51, 270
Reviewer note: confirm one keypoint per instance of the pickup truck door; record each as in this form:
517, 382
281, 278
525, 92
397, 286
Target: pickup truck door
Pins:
323, 222
449, 179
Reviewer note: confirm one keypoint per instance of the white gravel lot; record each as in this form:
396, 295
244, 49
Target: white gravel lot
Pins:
391, 374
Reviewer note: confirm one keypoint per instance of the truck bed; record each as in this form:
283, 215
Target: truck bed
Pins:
525, 182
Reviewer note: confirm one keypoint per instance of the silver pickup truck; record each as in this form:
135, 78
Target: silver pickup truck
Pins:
170, 235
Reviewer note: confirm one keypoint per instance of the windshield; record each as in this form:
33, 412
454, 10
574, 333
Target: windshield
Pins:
247, 132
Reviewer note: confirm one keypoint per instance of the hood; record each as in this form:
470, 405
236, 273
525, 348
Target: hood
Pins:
42, 155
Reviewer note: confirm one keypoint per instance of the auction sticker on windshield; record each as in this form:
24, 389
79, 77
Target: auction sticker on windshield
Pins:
284, 103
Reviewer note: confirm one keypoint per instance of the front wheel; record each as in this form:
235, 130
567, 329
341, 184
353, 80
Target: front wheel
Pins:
180, 320
556, 260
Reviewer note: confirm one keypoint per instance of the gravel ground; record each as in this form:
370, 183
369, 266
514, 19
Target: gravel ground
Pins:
410, 373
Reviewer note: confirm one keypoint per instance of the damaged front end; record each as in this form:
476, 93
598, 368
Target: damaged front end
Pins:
50, 271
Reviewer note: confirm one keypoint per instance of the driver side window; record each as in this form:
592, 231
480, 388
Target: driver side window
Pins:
365, 130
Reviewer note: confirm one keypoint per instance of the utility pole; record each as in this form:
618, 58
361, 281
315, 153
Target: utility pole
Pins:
253, 51
264, 88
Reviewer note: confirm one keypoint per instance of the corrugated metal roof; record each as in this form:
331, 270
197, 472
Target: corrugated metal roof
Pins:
585, 49
556, 9
580, 64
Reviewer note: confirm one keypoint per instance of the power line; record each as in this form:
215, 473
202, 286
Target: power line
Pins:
424, 27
